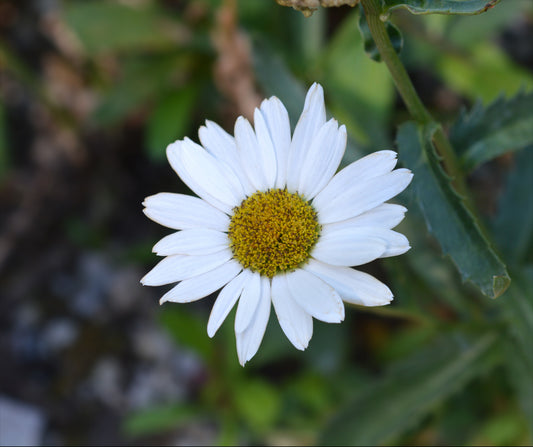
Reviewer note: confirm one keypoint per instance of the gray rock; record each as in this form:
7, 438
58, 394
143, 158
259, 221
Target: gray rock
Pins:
20, 423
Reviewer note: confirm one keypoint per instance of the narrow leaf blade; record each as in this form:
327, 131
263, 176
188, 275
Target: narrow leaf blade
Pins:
441, 6
515, 212
406, 394
447, 218
485, 133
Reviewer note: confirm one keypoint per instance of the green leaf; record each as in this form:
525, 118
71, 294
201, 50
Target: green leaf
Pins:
113, 26
169, 121
447, 217
515, 212
467, 72
370, 46
157, 419
486, 132
518, 368
441, 6
188, 330
258, 403
142, 80
518, 310
408, 392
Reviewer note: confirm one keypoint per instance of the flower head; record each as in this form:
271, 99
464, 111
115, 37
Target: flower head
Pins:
274, 223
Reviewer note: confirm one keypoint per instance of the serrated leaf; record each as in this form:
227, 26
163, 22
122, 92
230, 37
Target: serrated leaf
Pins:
169, 121
486, 132
515, 211
447, 217
368, 41
391, 405
441, 6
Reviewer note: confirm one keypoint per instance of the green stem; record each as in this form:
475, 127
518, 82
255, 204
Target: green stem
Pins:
408, 93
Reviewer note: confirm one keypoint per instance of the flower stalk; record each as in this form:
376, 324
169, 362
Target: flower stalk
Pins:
408, 93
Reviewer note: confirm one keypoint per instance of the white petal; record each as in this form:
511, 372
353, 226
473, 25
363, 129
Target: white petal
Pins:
353, 286
363, 196
227, 298
296, 323
344, 247
200, 286
195, 241
249, 340
395, 243
386, 215
179, 267
180, 211
248, 302
212, 181
249, 154
267, 153
323, 159
373, 165
217, 141
315, 296
277, 120
222, 145
311, 120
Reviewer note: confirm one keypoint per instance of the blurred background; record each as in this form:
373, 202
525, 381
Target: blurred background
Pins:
91, 93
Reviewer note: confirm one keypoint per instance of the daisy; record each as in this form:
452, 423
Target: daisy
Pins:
274, 223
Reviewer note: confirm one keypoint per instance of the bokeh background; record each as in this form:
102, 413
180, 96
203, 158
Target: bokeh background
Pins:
92, 91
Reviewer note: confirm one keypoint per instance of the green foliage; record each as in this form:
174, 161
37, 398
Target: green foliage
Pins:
410, 390
441, 6
486, 132
133, 90
170, 120
465, 71
515, 212
157, 419
349, 73
447, 217
460, 52
518, 353
258, 403
112, 26
394, 372
276, 79
370, 46
187, 330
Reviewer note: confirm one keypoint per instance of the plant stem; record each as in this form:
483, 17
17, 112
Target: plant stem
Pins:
408, 93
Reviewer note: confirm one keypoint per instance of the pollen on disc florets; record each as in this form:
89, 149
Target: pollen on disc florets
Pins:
273, 231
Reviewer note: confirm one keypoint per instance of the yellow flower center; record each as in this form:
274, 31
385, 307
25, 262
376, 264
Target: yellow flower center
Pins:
273, 231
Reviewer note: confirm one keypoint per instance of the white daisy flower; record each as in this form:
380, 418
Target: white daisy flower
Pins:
274, 224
